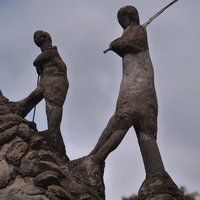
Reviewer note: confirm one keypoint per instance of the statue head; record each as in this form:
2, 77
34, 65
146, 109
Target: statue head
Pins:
128, 16
42, 38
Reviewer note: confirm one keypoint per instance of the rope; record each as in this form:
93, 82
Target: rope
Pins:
38, 80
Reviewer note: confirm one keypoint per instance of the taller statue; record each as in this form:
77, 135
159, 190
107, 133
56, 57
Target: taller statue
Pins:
137, 101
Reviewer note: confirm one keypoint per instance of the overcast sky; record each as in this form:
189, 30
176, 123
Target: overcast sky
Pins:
82, 30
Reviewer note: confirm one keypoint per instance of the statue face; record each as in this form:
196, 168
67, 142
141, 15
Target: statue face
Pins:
41, 37
128, 16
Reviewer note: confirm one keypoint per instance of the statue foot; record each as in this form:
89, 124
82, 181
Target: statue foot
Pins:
159, 187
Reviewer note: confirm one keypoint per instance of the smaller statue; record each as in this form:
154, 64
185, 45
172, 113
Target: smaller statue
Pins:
54, 86
53, 81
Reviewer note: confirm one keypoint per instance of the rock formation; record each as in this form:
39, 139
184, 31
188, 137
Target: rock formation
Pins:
31, 167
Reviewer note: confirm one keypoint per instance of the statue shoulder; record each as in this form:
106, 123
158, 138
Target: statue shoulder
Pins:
133, 40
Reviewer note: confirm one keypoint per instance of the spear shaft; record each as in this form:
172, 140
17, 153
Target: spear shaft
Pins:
158, 13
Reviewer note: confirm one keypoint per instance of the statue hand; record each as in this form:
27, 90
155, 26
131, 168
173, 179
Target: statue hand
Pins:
112, 44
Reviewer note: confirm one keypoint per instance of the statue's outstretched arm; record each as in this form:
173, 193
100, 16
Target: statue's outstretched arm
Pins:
27, 104
133, 40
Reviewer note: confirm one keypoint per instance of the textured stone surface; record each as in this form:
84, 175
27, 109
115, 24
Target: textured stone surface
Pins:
29, 173
8, 135
5, 173
16, 152
46, 178
22, 189
159, 187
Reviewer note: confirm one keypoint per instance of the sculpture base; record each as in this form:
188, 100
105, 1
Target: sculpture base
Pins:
159, 187
30, 167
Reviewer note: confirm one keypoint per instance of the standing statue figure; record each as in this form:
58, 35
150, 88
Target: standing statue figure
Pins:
137, 101
53, 83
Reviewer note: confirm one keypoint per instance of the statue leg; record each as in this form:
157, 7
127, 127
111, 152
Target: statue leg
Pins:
28, 103
146, 134
110, 145
55, 90
106, 134
109, 140
54, 116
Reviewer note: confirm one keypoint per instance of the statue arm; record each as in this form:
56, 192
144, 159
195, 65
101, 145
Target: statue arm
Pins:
132, 41
27, 104
37, 64
41, 59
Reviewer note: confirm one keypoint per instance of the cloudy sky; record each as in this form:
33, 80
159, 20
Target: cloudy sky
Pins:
82, 30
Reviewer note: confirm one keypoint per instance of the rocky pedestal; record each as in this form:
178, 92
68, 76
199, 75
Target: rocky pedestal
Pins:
31, 169
159, 187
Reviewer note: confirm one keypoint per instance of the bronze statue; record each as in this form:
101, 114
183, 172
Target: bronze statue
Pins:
137, 102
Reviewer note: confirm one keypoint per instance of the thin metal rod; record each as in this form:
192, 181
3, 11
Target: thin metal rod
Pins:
158, 13
38, 80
